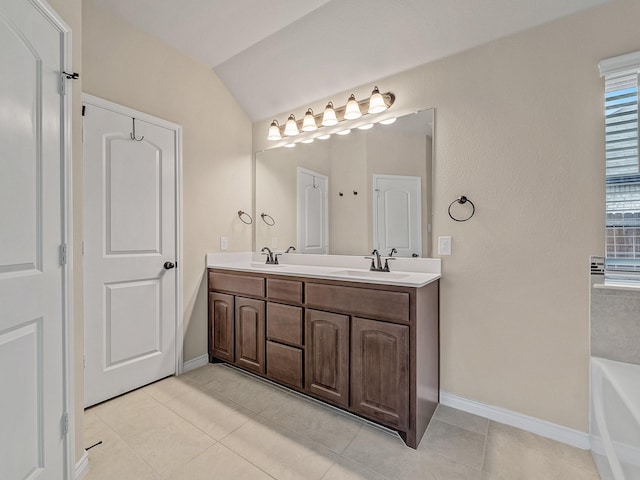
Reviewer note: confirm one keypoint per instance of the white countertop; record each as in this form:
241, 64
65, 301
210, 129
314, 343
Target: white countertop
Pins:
410, 272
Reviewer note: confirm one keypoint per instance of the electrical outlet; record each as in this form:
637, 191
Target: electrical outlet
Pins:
444, 245
224, 243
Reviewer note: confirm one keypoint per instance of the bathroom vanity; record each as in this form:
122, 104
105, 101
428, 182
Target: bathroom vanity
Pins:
366, 342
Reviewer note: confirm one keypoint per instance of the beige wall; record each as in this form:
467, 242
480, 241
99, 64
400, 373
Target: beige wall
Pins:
519, 129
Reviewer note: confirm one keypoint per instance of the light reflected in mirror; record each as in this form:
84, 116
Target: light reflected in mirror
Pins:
349, 194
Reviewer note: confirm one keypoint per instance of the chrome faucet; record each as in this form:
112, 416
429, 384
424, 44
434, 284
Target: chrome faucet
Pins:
290, 249
270, 259
376, 262
393, 250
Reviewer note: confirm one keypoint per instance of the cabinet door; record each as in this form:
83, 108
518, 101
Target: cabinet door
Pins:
327, 356
380, 371
250, 337
221, 308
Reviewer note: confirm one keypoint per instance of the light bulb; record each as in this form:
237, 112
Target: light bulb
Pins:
343, 132
307, 140
388, 121
376, 102
352, 110
329, 116
324, 137
291, 128
290, 145
274, 131
309, 122
365, 127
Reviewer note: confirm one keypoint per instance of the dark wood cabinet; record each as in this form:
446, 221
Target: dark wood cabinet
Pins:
221, 326
250, 334
327, 360
368, 348
380, 371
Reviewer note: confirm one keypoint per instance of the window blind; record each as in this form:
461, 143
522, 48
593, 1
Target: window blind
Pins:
622, 260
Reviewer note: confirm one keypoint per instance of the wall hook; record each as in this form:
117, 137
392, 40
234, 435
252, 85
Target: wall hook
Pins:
133, 135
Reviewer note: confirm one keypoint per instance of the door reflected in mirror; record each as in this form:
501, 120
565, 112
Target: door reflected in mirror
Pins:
349, 194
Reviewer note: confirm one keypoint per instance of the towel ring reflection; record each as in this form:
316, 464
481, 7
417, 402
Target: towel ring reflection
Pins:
271, 222
462, 200
243, 216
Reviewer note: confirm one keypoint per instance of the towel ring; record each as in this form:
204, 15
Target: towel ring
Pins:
243, 215
462, 200
270, 222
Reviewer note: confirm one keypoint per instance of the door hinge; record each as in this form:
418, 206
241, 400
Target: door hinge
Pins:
63, 254
61, 85
65, 423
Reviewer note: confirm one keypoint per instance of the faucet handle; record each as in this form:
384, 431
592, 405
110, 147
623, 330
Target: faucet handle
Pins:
386, 263
373, 263
275, 258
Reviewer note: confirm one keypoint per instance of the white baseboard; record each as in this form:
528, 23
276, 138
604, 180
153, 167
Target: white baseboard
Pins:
540, 427
82, 467
625, 453
195, 363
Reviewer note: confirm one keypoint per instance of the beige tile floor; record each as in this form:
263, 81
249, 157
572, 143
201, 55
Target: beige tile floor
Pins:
219, 423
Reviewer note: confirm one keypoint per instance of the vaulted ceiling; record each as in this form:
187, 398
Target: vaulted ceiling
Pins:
275, 55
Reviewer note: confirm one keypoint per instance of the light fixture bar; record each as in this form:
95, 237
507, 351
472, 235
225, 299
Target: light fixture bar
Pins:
364, 105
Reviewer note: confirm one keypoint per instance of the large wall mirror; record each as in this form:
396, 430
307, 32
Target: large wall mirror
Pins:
351, 193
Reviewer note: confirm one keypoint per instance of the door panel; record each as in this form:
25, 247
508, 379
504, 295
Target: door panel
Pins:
130, 232
132, 332
32, 383
250, 334
221, 311
133, 177
380, 371
327, 356
398, 214
312, 209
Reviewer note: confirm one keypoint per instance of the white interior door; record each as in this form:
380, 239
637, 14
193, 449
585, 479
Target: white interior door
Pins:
313, 219
397, 214
32, 381
130, 300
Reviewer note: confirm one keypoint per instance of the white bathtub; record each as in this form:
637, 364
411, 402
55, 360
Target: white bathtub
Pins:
615, 418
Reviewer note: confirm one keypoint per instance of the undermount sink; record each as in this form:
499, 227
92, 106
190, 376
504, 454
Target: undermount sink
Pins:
369, 274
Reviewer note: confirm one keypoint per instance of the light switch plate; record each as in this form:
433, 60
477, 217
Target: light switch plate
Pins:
444, 245
224, 243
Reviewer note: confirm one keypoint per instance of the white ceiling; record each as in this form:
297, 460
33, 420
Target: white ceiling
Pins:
275, 55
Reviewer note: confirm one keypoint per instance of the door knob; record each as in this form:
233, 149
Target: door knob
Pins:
169, 265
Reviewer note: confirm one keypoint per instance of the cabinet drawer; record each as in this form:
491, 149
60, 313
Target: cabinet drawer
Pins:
284, 323
240, 284
365, 302
284, 364
285, 290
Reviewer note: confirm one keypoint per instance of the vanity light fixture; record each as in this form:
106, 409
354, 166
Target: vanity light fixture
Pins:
329, 118
352, 110
388, 121
291, 127
332, 116
366, 127
274, 131
309, 122
376, 102
344, 132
